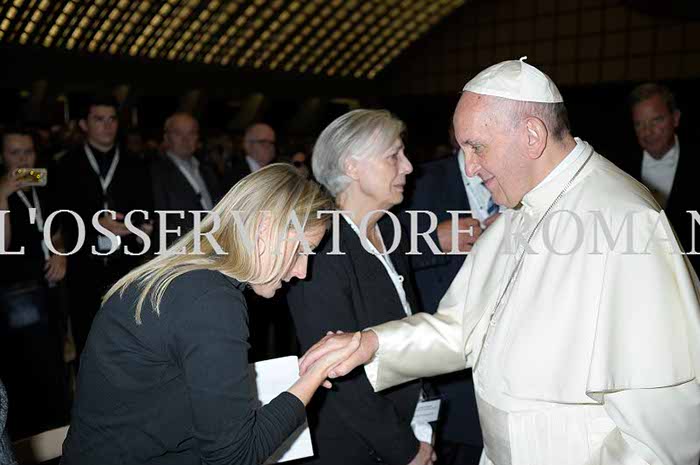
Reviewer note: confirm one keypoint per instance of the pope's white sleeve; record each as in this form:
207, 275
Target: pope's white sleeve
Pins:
658, 426
423, 345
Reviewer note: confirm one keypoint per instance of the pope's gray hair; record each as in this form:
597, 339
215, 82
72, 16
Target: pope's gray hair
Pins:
553, 115
357, 135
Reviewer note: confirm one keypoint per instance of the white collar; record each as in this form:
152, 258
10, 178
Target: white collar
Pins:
253, 164
669, 158
569, 159
192, 163
551, 186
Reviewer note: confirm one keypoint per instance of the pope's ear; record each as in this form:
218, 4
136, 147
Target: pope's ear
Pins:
536, 135
83, 124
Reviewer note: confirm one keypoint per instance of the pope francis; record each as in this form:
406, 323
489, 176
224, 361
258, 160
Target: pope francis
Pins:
577, 312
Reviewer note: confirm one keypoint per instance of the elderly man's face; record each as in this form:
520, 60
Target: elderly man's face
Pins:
182, 136
655, 125
259, 143
491, 149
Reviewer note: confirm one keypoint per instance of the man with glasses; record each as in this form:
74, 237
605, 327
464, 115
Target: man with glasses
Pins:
259, 150
259, 145
272, 332
663, 168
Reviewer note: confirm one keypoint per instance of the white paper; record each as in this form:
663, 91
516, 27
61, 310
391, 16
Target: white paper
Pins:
271, 378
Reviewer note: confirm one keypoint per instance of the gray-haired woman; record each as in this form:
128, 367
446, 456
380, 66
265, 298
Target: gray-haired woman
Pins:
360, 159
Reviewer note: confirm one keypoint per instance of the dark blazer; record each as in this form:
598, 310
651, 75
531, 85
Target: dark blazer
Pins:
7, 457
437, 186
175, 389
351, 423
236, 170
683, 197
172, 191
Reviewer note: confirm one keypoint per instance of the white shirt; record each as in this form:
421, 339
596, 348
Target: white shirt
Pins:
252, 164
190, 170
658, 175
590, 358
422, 431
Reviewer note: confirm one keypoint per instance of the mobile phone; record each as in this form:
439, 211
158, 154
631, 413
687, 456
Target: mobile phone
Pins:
32, 176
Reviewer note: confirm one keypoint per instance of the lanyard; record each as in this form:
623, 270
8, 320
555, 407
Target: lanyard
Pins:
192, 181
39, 218
106, 181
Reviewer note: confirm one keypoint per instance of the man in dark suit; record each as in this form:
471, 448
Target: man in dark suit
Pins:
665, 165
259, 150
272, 330
439, 187
180, 182
97, 176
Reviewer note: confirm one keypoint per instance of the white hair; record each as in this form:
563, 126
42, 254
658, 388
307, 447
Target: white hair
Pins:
357, 135
553, 115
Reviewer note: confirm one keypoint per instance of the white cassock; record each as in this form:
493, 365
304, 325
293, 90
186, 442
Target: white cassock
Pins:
593, 355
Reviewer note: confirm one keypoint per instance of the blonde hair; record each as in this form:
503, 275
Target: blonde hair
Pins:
279, 191
357, 134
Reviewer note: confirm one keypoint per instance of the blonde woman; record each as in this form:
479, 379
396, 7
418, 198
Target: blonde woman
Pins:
164, 375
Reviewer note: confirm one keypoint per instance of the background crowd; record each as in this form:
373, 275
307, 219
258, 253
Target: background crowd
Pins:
95, 163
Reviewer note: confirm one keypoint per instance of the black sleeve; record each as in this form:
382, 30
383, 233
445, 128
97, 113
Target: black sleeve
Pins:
211, 346
6, 455
323, 304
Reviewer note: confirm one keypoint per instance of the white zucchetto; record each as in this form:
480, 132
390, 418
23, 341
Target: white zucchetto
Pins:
515, 80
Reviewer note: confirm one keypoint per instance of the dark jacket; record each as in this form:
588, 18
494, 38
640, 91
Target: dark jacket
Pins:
172, 191
77, 187
175, 389
28, 266
438, 187
7, 457
683, 197
350, 292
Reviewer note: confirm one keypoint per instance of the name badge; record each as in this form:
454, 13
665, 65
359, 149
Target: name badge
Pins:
427, 411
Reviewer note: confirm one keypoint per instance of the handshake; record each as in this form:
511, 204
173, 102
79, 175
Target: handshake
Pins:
337, 354
339, 347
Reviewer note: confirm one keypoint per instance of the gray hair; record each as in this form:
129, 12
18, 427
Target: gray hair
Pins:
646, 91
170, 120
553, 115
357, 135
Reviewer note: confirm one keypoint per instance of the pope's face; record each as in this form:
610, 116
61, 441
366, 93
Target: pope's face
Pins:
491, 148
655, 125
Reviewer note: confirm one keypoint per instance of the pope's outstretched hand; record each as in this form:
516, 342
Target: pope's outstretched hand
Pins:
335, 341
